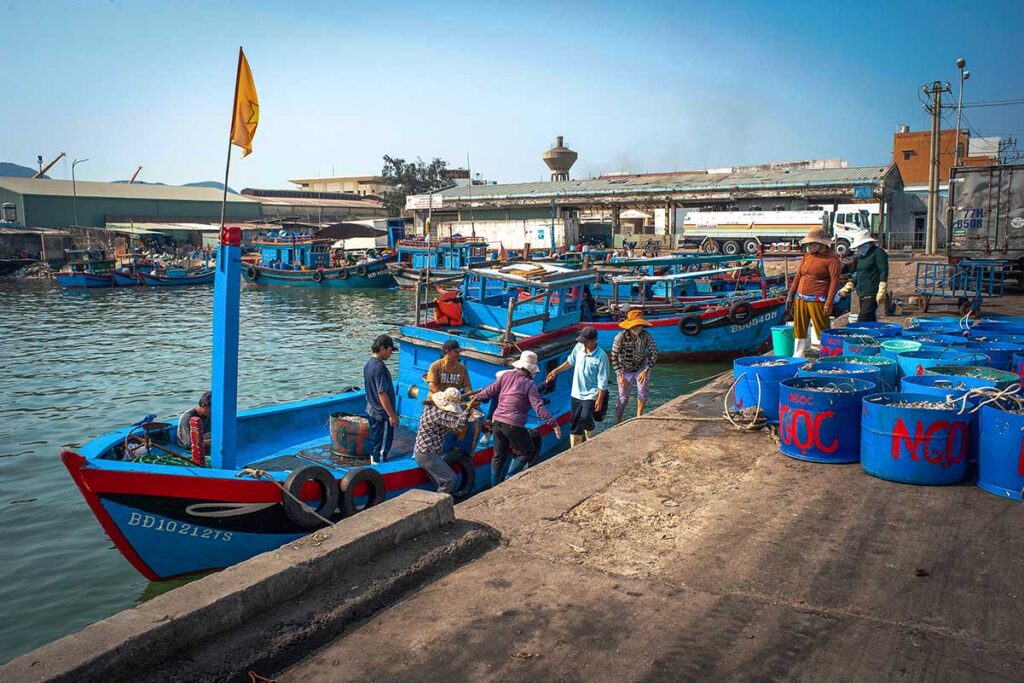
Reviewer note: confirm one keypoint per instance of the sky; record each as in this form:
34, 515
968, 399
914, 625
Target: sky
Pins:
633, 86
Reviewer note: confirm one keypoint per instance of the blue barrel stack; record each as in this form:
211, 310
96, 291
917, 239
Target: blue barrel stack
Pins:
762, 374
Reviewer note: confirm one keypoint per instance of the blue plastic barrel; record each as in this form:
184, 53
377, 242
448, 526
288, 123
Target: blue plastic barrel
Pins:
1001, 450
1000, 326
1001, 379
937, 322
887, 365
877, 329
1018, 366
943, 385
891, 347
770, 370
832, 340
930, 336
821, 426
928, 446
861, 346
837, 370
916, 362
1000, 354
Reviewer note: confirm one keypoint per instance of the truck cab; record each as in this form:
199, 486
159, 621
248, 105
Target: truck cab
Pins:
849, 220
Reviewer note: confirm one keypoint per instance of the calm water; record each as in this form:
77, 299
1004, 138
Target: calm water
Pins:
79, 364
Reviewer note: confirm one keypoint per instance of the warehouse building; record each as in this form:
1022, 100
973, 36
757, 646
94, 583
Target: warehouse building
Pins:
63, 203
316, 208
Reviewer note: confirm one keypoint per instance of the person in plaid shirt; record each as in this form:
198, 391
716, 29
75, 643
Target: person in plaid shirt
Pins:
441, 414
633, 355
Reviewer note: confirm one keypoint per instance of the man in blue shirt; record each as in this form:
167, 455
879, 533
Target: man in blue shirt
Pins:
589, 395
380, 399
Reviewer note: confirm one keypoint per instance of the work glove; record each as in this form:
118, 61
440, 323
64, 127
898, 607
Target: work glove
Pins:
789, 303
880, 297
845, 291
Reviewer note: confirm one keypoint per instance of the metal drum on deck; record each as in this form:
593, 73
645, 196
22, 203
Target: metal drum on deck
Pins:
861, 346
998, 378
840, 370
1000, 449
877, 329
766, 371
819, 418
886, 365
1000, 354
891, 347
350, 435
913, 445
916, 362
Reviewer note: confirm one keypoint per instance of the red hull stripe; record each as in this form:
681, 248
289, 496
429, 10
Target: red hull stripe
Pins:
705, 317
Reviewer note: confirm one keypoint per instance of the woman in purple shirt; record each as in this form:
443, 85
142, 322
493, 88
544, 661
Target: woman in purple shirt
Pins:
515, 392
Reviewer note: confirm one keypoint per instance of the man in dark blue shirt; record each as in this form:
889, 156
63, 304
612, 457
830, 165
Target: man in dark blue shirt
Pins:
380, 399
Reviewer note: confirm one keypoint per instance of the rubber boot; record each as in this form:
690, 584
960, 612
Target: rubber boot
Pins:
801, 347
576, 439
587, 436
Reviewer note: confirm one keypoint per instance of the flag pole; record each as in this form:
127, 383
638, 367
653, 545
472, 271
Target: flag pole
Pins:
226, 289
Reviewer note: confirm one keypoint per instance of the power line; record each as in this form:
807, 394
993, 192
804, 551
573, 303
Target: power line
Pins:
995, 103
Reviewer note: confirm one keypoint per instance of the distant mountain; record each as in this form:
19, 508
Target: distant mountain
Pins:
210, 183
10, 170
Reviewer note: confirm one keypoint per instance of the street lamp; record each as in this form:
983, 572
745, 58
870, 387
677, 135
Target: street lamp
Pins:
964, 75
74, 189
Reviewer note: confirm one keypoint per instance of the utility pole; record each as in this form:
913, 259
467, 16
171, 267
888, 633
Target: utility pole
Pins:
935, 109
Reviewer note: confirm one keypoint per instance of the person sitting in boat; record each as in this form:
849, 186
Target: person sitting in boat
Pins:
813, 289
515, 392
442, 413
448, 371
184, 423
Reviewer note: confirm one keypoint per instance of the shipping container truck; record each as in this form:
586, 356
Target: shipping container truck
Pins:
734, 232
987, 214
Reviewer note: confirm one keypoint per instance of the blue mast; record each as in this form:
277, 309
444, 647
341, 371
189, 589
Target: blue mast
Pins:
227, 285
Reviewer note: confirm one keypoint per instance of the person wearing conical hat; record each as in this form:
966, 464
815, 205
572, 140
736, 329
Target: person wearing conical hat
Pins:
870, 278
813, 289
633, 355
442, 413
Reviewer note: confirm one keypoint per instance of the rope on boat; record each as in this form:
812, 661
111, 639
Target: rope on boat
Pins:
263, 474
990, 394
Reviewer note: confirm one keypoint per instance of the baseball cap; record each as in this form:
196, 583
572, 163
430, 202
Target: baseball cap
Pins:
587, 334
450, 345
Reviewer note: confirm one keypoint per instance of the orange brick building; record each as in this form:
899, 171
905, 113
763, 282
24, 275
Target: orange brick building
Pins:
911, 152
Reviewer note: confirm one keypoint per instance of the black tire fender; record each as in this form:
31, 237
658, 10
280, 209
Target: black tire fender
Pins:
691, 324
251, 272
372, 254
467, 482
361, 270
343, 273
740, 312
294, 484
318, 275
352, 480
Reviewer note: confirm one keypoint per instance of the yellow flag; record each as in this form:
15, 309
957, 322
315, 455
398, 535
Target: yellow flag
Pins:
247, 107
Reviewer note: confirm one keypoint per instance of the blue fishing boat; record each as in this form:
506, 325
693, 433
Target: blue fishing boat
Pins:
177, 277
87, 268
130, 274
299, 260
172, 513
444, 259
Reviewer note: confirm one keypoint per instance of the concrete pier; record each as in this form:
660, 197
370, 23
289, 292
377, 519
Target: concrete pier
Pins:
669, 548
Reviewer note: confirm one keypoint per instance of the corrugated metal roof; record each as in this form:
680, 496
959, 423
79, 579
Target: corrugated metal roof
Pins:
85, 188
305, 201
703, 182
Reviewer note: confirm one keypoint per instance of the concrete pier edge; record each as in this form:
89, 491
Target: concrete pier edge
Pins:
140, 637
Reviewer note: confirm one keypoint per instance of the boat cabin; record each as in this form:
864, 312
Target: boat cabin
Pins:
454, 253
94, 260
285, 250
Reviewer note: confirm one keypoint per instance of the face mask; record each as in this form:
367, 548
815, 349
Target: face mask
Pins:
864, 249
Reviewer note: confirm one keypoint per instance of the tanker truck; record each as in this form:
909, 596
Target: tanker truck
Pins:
735, 232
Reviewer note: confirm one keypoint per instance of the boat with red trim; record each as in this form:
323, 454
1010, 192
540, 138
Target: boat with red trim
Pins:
172, 511
296, 258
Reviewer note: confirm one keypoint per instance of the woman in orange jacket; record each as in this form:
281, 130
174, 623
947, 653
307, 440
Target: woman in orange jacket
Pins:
813, 288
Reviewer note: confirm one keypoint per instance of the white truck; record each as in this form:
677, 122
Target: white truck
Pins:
735, 232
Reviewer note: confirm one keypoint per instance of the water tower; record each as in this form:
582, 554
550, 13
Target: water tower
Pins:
560, 159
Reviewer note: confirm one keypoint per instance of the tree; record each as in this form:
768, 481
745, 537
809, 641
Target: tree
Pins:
409, 178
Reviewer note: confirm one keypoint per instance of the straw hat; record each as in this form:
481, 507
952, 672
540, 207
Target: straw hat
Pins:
861, 240
527, 361
817, 236
633, 318
447, 400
